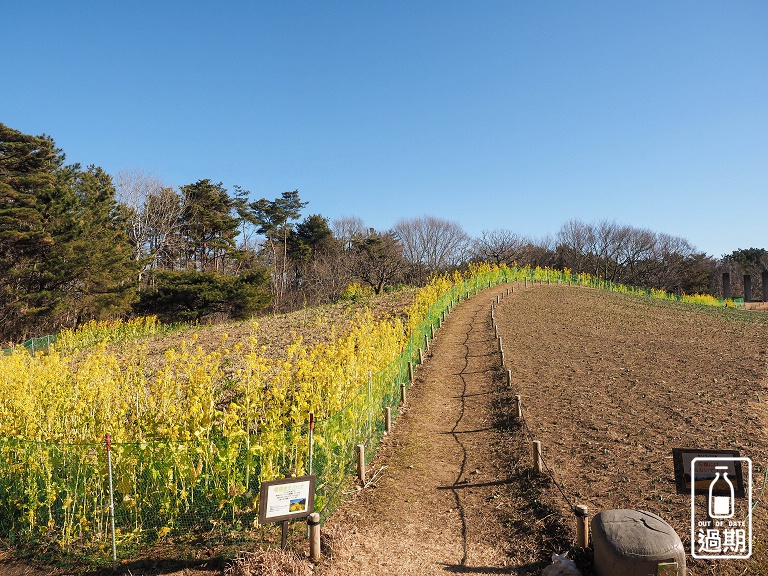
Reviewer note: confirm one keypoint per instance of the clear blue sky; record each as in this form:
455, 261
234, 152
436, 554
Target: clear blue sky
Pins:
494, 114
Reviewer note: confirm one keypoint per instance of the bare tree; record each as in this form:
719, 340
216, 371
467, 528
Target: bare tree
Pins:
538, 252
377, 259
326, 276
432, 244
499, 247
154, 212
629, 255
573, 244
636, 256
347, 229
671, 254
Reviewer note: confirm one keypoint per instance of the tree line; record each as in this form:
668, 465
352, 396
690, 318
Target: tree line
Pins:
77, 244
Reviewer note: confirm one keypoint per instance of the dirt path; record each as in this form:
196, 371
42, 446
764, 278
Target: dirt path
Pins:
438, 504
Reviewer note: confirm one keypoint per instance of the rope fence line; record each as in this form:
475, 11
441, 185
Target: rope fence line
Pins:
539, 461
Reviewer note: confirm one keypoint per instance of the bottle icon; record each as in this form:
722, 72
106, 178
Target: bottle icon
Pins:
721, 506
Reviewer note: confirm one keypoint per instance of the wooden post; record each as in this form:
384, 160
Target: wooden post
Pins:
361, 463
410, 370
388, 418
518, 404
314, 536
426, 342
503, 362
284, 535
538, 465
509, 378
402, 392
421, 356
501, 348
582, 526
108, 440
496, 328
432, 331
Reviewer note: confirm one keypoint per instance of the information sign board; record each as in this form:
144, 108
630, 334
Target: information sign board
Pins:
286, 499
684, 456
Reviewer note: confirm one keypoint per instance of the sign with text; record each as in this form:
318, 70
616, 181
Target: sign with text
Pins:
701, 480
286, 499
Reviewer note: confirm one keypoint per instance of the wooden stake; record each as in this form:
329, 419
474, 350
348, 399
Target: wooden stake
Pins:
538, 465
501, 348
410, 370
402, 392
509, 378
518, 403
388, 418
361, 463
426, 342
314, 536
421, 356
284, 535
582, 526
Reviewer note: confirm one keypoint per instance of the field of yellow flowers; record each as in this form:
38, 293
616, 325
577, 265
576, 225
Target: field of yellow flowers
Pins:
197, 425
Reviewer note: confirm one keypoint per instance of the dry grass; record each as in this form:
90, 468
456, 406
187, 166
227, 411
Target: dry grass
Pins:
271, 562
275, 332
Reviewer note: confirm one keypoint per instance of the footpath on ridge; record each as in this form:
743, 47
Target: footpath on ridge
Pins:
443, 495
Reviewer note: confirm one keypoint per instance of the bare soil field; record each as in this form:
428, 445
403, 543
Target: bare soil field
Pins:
611, 384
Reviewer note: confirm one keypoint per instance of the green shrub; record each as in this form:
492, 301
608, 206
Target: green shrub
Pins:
188, 296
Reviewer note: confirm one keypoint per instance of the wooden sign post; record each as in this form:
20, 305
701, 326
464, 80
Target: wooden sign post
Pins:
286, 499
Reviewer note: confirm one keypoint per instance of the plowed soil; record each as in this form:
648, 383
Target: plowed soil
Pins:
610, 385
